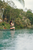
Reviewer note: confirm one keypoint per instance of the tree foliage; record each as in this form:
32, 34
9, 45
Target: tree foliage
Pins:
21, 18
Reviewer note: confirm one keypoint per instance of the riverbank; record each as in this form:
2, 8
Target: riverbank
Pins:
5, 25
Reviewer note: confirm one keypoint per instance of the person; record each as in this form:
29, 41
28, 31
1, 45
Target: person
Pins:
12, 25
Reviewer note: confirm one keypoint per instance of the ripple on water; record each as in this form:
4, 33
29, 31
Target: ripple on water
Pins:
20, 40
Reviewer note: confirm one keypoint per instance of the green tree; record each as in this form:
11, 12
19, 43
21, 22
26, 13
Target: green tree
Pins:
29, 11
27, 22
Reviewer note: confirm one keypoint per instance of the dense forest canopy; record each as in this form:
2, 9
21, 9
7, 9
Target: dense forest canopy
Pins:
21, 18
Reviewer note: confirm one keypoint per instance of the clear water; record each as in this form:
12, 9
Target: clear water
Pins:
16, 40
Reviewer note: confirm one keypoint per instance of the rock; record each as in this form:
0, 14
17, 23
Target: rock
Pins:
0, 20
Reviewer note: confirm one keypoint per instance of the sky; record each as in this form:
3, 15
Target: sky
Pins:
28, 4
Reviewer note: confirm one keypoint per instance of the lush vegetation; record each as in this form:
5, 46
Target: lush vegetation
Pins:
20, 18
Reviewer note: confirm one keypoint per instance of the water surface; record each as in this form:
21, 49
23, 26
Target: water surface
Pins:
16, 40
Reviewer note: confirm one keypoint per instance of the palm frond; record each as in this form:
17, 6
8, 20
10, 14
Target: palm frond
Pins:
22, 2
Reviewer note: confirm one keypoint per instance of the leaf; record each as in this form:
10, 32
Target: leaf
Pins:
22, 2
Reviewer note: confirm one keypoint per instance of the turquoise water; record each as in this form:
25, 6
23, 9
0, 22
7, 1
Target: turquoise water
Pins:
16, 40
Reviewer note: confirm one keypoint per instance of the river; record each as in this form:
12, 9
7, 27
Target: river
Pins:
16, 39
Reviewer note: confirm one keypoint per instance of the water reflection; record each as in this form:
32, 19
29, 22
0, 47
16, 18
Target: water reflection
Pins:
12, 33
17, 40
1, 34
1, 39
6, 39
